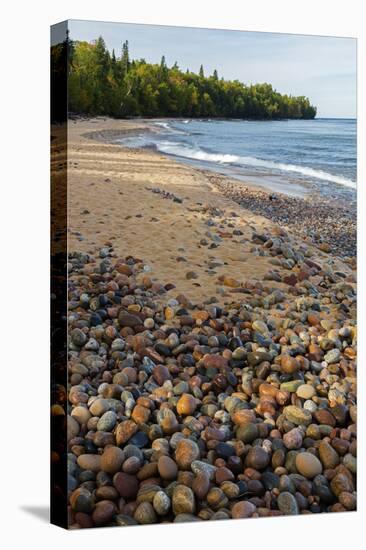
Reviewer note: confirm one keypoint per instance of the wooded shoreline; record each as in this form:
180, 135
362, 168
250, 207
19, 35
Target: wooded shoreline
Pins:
101, 83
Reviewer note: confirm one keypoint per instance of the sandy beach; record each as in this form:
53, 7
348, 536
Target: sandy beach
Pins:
194, 242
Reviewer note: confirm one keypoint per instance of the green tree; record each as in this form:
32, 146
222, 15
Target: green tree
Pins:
101, 83
125, 59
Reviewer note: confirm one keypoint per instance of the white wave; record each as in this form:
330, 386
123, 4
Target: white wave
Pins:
163, 125
303, 170
199, 154
167, 126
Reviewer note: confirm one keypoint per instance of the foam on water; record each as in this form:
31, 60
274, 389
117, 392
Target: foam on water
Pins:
198, 154
319, 153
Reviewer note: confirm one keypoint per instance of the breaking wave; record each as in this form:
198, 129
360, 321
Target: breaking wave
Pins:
185, 151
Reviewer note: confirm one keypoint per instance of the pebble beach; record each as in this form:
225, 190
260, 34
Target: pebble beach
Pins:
212, 342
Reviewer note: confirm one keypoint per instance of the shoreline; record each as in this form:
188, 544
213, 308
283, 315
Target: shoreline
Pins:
192, 227
212, 352
333, 226
284, 184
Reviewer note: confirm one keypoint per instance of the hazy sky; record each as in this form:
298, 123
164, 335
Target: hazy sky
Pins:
322, 68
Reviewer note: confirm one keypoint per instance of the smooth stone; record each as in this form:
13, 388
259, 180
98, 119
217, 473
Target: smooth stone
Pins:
257, 458
73, 427
126, 484
149, 323
297, 416
239, 354
247, 432
323, 416
124, 431
150, 469
350, 462
107, 422
99, 407
90, 462
132, 465
305, 391
103, 512
167, 468
128, 320
186, 405
333, 356
161, 503
161, 374
270, 480
293, 439
81, 500
168, 421
328, 455
291, 386
322, 490
140, 440
260, 327
230, 489
183, 501
187, 451
81, 414
348, 500
78, 337
286, 484
341, 483
145, 514
198, 466
112, 460
278, 458
287, 504
340, 414
289, 365
243, 416
308, 465
133, 450
95, 319
201, 485
181, 388
310, 406
140, 414
256, 357
147, 492
216, 498
242, 509
224, 450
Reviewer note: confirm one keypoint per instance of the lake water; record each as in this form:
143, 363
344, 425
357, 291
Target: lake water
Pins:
291, 156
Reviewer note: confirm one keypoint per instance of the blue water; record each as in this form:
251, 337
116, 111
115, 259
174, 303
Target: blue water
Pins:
292, 156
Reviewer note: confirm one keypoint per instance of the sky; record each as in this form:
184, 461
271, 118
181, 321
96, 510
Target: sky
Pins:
320, 67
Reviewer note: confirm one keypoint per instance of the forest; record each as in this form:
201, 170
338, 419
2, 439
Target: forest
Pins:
103, 83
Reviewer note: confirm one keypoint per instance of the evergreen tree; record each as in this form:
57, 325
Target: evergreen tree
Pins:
100, 83
113, 62
125, 59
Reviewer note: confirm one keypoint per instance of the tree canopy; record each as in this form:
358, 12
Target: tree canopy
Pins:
101, 83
